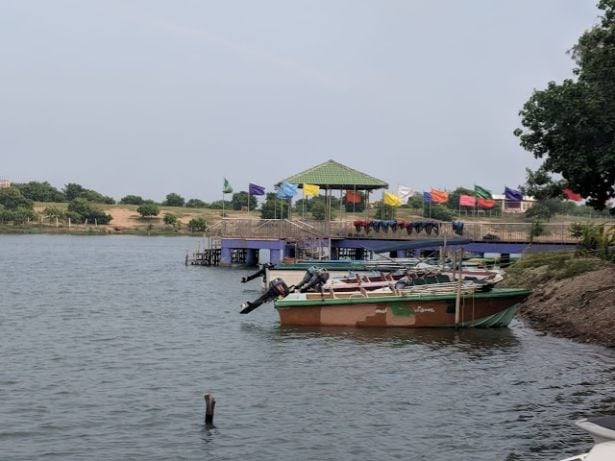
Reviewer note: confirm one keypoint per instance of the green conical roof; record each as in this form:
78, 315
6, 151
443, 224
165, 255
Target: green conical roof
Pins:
334, 175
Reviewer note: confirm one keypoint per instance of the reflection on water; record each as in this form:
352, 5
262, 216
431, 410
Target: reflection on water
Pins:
109, 343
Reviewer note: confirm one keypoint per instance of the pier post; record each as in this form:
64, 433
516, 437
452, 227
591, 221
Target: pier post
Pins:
225, 256
275, 256
252, 257
210, 404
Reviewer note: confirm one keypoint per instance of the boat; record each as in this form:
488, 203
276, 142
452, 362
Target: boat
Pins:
602, 429
453, 304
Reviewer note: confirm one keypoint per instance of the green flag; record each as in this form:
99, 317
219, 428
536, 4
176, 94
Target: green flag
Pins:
482, 192
227, 187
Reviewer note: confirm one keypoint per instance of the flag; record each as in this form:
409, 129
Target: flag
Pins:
353, 197
482, 192
391, 199
512, 195
253, 189
286, 190
466, 200
570, 195
227, 189
438, 196
404, 193
486, 203
426, 197
311, 190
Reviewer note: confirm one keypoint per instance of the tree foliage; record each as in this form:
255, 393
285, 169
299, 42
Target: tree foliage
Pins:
273, 207
571, 126
11, 198
40, 192
148, 210
174, 199
172, 220
197, 224
132, 200
240, 200
196, 203
88, 211
73, 191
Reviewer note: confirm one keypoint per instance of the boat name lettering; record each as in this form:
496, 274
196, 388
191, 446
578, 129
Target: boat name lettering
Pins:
424, 309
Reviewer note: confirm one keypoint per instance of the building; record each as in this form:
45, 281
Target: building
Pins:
511, 206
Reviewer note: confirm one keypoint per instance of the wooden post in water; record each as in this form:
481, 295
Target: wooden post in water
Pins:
210, 403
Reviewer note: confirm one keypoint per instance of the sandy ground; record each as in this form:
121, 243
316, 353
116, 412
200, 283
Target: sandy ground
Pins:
582, 308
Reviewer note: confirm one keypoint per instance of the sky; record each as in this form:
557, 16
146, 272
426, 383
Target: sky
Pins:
149, 97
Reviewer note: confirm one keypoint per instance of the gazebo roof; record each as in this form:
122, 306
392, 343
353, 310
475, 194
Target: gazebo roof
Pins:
334, 175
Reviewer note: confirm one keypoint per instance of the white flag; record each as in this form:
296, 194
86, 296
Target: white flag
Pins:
404, 193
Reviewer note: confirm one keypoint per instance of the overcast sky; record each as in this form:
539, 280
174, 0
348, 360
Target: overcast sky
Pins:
148, 97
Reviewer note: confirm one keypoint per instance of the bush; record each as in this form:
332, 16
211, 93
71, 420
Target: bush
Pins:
171, 220
441, 213
148, 210
197, 225
88, 211
11, 198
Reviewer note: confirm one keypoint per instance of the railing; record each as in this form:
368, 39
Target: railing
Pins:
305, 230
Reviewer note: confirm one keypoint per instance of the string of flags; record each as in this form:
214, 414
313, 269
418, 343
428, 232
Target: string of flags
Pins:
481, 197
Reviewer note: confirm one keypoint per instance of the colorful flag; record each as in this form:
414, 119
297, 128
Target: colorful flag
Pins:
286, 190
512, 195
466, 200
482, 192
391, 199
227, 189
353, 197
486, 203
311, 190
570, 195
253, 189
404, 193
438, 196
426, 197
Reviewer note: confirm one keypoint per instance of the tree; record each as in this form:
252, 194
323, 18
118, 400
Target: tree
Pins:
40, 192
570, 125
174, 199
196, 203
453, 197
12, 199
148, 210
131, 200
72, 191
273, 207
240, 200
88, 211
384, 211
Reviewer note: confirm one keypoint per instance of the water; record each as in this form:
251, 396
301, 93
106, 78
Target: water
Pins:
109, 343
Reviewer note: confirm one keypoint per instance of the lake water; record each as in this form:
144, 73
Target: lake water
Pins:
109, 343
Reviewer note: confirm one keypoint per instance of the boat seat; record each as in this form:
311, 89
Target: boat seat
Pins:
443, 278
431, 279
418, 282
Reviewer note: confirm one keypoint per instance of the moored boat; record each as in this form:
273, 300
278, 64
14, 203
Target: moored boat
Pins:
415, 308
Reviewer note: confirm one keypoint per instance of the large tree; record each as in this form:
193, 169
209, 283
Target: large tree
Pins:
572, 125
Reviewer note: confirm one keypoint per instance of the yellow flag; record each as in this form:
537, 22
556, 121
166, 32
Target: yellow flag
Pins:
311, 190
391, 199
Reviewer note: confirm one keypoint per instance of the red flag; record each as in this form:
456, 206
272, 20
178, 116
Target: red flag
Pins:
466, 200
353, 197
438, 196
572, 195
486, 203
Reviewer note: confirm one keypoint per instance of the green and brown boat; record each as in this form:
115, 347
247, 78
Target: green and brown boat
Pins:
451, 305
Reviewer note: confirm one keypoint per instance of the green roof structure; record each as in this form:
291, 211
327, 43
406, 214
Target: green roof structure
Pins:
334, 175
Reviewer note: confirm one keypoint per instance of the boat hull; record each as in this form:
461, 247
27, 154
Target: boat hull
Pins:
492, 309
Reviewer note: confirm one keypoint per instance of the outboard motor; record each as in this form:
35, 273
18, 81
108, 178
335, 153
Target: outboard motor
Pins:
316, 281
258, 273
277, 288
306, 278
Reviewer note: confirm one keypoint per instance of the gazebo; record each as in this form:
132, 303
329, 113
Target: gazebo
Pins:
331, 175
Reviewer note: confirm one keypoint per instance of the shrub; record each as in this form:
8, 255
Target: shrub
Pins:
88, 211
148, 210
197, 225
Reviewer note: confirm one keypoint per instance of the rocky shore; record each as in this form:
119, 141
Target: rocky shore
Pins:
581, 307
